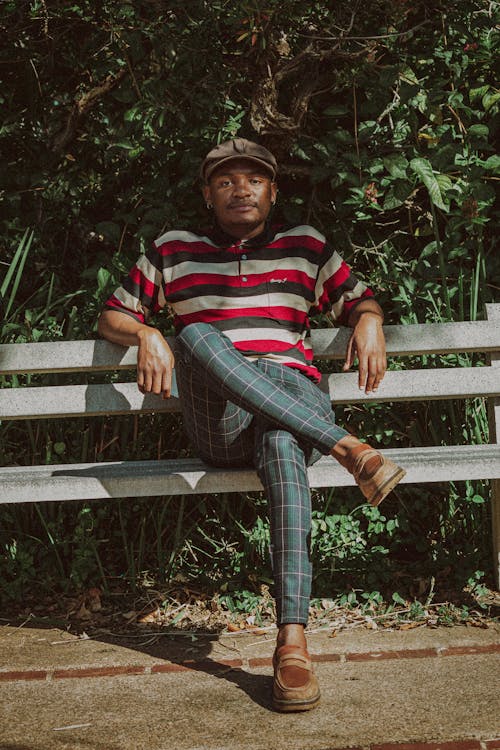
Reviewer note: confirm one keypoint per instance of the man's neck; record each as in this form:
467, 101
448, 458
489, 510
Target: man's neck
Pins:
244, 233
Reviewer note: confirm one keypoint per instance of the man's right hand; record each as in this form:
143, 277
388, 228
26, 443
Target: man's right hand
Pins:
155, 362
155, 359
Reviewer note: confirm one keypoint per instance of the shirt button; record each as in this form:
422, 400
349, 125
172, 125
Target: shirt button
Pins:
243, 257
244, 278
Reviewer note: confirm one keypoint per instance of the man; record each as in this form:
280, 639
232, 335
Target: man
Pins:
242, 294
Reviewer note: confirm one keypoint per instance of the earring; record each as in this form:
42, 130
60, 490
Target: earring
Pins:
209, 206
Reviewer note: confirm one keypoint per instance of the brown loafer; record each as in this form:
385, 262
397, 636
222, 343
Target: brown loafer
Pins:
385, 478
286, 698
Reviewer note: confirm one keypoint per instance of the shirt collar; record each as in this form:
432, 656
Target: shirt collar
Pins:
223, 239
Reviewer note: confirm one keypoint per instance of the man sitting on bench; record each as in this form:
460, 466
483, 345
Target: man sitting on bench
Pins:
242, 294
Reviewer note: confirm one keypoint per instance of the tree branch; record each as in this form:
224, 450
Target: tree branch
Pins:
332, 38
80, 108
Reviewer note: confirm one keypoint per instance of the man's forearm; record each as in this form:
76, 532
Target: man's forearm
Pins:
121, 328
368, 305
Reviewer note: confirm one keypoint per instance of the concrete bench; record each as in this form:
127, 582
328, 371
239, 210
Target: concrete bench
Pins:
20, 484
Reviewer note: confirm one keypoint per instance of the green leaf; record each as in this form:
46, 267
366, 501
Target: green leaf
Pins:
490, 99
396, 165
444, 182
423, 169
127, 145
397, 194
428, 250
103, 277
478, 93
479, 131
478, 499
398, 599
493, 163
335, 110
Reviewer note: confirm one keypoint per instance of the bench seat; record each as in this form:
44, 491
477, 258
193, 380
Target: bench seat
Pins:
117, 479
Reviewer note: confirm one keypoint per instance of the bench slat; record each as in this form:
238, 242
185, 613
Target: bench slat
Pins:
96, 356
191, 476
125, 398
410, 385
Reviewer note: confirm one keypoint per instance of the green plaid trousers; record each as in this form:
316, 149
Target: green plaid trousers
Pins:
239, 412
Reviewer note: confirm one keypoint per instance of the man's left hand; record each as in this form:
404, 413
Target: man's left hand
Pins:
367, 342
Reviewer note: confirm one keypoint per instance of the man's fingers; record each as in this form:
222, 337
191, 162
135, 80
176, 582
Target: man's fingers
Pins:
379, 375
349, 355
362, 375
145, 381
155, 381
363, 371
166, 385
375, 373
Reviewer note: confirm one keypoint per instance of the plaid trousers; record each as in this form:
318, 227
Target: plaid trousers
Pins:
239, 412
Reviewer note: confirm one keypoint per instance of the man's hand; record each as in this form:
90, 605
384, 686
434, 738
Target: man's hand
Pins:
155, 362
367, 342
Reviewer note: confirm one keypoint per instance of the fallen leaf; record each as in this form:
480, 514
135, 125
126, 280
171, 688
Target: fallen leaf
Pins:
150, 616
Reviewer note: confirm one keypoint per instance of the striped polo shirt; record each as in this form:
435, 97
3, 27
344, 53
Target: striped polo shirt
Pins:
260, 292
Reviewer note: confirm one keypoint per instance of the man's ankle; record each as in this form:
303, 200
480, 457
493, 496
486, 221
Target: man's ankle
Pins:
347, 450
291, 634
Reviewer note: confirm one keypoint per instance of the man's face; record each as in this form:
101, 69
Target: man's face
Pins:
242, 194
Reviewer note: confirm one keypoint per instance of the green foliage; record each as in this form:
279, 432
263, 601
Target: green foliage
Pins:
384, 118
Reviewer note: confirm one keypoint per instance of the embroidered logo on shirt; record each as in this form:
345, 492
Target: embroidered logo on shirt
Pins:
277, 281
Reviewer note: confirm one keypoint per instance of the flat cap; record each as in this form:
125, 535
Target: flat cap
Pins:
238, 148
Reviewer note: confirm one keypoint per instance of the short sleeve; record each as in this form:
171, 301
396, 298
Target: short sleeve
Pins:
338, 290
141, 293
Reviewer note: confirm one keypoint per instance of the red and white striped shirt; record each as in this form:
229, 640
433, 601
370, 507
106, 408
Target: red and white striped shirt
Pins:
260, 292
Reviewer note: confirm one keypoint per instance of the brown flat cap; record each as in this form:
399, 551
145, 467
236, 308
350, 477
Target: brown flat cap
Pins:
238, 148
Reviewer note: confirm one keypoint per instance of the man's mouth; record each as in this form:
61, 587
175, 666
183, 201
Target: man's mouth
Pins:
241, 206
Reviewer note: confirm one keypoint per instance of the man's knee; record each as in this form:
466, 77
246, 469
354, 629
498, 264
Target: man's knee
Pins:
279, 444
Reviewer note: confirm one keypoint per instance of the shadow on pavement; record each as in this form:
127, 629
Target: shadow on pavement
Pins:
196, 657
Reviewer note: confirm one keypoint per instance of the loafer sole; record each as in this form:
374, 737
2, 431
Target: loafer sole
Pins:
383, 490
290, 706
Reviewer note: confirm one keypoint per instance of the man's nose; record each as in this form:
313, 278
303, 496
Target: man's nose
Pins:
241, 187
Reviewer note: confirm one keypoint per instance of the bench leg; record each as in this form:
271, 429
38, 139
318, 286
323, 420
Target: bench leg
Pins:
495, 517
493, 313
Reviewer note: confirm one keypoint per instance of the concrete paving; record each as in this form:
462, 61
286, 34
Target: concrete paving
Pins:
417, 689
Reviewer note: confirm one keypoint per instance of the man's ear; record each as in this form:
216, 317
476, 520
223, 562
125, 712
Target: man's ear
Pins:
274, 192
205, 189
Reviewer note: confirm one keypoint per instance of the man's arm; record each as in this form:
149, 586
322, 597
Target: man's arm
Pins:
367, 342
155, 360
